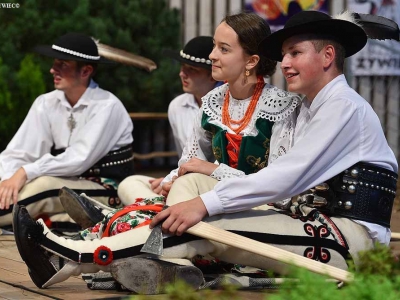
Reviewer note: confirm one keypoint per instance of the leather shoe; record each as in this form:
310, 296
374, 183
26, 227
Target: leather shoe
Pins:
150, 276
28, 234
80, 209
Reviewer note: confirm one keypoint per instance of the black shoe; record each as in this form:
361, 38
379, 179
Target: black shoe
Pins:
149, 276
28, 234
80, 209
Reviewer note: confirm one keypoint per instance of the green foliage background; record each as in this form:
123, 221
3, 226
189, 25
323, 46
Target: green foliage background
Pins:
144, 27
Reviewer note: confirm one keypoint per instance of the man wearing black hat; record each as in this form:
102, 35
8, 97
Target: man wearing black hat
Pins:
76, 130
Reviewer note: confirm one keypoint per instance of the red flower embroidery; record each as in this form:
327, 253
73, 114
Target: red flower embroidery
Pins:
96, 228
103, 256
121, 227
138, 199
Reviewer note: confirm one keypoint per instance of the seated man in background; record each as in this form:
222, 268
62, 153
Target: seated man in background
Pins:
78, 135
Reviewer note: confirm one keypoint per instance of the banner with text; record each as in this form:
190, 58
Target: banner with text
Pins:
378, 57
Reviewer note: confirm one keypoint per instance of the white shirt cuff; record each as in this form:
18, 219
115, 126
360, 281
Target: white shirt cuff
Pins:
212, 203
32, 171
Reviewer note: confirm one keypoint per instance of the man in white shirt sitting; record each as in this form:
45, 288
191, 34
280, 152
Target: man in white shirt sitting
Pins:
78, 135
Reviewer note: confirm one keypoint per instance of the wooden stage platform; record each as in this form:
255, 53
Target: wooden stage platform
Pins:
15, 282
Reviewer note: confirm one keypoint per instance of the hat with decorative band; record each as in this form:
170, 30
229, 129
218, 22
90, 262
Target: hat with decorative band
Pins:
350, 35
196, 52
73, 46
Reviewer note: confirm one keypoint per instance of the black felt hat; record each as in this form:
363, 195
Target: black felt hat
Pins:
195, 52
351, 36
73, 46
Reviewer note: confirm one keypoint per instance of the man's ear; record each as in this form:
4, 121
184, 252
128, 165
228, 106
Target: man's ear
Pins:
86, 71
252, 61
329, 55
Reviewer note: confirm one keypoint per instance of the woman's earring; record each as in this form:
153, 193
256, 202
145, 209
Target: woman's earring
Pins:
246, 74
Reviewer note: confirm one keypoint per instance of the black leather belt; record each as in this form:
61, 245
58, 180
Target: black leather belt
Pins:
364, 192
116, 164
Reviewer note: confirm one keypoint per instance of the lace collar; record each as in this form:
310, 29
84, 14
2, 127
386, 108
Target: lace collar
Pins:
274, 104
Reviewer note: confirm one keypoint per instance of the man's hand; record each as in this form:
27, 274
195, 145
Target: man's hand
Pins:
195, 165
155, 185
179, 217
9, 188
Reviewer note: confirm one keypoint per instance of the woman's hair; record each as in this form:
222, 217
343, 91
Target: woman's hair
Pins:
251, 30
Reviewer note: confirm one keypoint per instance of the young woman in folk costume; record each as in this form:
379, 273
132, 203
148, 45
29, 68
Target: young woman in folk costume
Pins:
244, 124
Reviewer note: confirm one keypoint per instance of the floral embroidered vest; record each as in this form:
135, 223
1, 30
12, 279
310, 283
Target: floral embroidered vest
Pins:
254, 150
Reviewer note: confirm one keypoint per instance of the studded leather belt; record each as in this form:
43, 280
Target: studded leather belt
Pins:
116, 164
363, 192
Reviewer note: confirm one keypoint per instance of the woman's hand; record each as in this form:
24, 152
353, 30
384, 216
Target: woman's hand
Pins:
166, 187
195, 165
155, 185
181, 216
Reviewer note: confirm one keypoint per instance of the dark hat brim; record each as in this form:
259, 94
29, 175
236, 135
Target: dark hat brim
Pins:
351, 36
48, 51
176, 56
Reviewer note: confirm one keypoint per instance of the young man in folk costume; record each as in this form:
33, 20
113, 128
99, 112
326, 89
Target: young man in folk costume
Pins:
78, 135
349, 161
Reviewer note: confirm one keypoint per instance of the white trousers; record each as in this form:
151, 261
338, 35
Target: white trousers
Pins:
40, 196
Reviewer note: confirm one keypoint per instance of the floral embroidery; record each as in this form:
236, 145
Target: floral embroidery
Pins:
127, 221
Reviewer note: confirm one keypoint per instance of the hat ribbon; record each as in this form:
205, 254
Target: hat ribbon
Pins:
58, 48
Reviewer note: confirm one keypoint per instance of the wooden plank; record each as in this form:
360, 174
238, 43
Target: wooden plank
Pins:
148, 116
190, 17
235, 6
393, 116
219, 11
206, 23
10, 292
379, 97
365, 88
154, 154
15, 275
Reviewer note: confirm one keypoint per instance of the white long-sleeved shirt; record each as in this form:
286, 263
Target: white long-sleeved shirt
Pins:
333, 132
102, 124
182, 110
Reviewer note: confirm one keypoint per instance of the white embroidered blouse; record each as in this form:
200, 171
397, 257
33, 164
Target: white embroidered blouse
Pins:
274, 104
